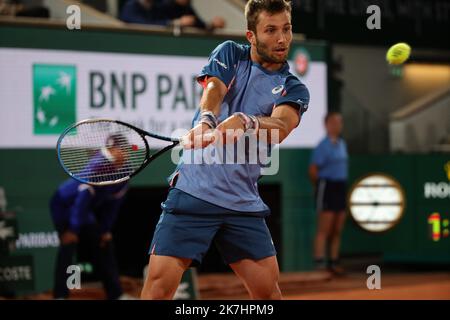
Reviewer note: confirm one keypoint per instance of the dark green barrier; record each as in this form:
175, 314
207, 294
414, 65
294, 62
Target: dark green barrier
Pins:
16, 275
8, 233
425, 181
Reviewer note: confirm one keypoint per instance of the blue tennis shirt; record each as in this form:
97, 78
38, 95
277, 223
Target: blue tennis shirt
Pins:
331, 159
254, 91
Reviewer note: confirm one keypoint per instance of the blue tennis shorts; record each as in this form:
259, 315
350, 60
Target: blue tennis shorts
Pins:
188, 225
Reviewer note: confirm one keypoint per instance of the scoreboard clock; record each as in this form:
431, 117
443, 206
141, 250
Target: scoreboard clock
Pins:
439, 226
376, 202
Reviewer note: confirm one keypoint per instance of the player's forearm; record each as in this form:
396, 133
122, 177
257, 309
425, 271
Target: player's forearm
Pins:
213, 94
279, 125
215, 91
277, 129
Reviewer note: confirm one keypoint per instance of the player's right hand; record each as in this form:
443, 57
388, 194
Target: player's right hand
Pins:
69, 237
230, 130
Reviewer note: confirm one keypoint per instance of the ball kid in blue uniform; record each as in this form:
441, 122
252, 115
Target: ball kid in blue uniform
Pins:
83, 211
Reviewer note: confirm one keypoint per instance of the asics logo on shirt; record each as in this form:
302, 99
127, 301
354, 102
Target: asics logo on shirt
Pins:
277, 89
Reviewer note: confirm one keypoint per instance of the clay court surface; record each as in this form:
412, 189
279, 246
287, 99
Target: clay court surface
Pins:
315, 286
429, 285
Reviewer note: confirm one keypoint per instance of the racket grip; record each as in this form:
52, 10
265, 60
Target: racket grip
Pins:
184, 141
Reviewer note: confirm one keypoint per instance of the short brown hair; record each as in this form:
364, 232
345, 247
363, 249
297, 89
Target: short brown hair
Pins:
254, 7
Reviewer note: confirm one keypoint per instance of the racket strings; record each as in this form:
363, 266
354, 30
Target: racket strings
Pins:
102, 151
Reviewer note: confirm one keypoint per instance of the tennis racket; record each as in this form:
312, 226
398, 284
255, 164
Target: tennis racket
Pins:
103, 151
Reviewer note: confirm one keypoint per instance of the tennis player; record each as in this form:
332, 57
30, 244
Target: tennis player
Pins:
246, 88
83, 211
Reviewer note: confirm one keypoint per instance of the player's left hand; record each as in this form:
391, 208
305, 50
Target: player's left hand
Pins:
105, 239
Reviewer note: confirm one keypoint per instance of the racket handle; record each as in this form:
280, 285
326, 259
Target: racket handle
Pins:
184, 141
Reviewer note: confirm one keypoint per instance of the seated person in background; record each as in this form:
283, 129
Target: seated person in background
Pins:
154, 12
166, 13
144, 12
179, 9
24, 8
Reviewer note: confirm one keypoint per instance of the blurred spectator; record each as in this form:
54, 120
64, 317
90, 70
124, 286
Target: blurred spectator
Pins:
100, 5
145, 12
328, 172
179, 9
166, 13
24, 8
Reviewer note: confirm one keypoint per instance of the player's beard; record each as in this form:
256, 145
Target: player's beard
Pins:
266, 55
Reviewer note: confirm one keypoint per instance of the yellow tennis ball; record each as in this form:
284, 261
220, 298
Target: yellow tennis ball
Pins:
398, 53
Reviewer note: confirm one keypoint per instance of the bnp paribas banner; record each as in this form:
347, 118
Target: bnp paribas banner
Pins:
44, 91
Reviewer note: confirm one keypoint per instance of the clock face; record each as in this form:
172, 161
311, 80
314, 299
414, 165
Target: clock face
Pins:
376, 202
